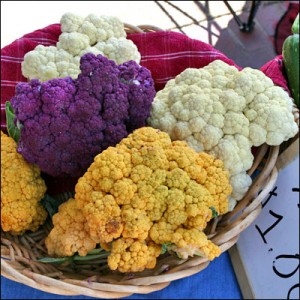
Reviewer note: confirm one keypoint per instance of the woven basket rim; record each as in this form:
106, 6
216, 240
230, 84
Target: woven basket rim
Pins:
17, 264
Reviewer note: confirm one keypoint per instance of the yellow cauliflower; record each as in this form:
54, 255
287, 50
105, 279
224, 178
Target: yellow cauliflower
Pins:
144, 193
130, 255
22, 188
70, 233
190, 242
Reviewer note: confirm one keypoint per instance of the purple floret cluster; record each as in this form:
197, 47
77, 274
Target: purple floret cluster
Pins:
66, 122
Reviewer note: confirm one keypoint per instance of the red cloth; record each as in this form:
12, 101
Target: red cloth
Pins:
164, 53
12, 56
284, 26
275, 70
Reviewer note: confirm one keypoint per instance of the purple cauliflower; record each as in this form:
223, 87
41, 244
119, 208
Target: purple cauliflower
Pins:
65, 122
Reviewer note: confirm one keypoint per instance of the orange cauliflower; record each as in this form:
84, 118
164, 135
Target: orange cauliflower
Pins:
70, 233
148, 191
130, 255
22, 188
190, 242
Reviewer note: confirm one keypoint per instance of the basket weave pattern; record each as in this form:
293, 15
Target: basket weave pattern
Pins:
19, 255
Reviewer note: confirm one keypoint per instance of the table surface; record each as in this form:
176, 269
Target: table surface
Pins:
217, 281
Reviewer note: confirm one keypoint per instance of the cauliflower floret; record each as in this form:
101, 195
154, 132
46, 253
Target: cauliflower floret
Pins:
49, 62
119, 50
113, 165
209, 137
190, 242
199, 213
249, 82
22, 188
129, 255
157, 205
137, 223
73, 42
271, 120
161, 232
40, 63
235, 152
240, 184
123, 190
70, 22
103, 227
222, 74
70, 233
232, 101
144, 136
102, 28
215, 181
175, 212
236, 123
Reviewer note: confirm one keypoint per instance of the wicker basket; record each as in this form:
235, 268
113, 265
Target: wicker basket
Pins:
19, 255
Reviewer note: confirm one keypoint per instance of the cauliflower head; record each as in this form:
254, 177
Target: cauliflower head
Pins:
93, 34
22, 188
145, 192
66, 122
224, 112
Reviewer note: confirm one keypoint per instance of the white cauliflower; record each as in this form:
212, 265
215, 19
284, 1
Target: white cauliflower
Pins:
119, 50
235, 152
49, 62
240, 184
102, 28
225, 112
73, 42
103, 35
70, 22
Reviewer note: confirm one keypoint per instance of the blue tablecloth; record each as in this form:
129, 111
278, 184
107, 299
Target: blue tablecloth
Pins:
217, 281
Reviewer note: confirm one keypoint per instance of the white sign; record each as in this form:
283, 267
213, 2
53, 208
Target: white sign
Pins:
268, 250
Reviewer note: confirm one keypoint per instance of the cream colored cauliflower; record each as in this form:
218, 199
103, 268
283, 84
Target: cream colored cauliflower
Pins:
225, 112
101, 28
103, 35
119, 50
70, 22
240, 184
235, 151
73, 42
49, 62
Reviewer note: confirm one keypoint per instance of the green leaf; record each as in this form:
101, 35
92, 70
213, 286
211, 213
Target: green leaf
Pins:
51, 204
95, 251
92, 255
165, 247
13, 130
58, 260
214, 212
